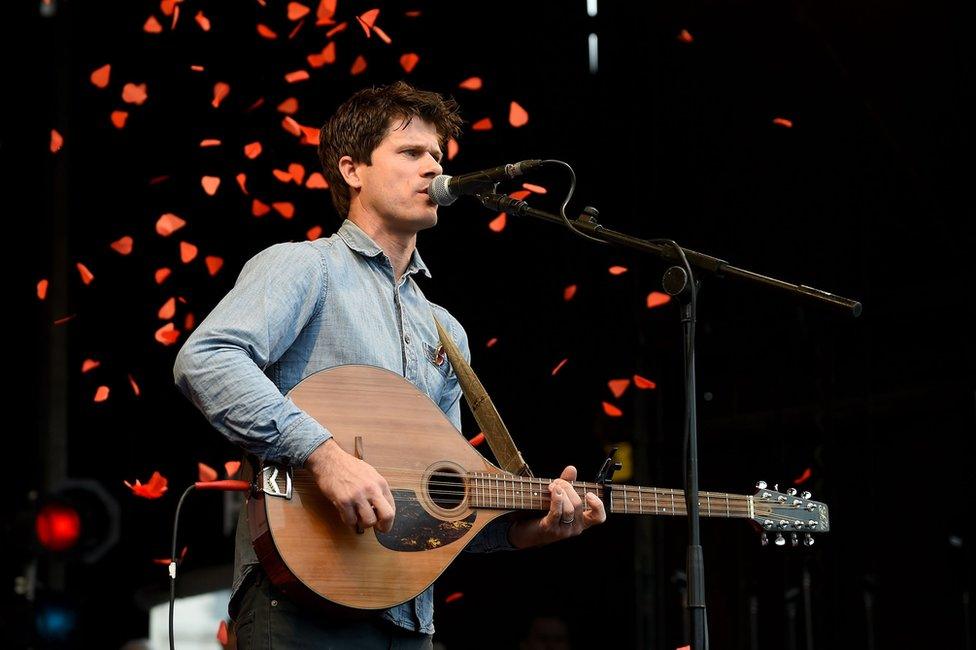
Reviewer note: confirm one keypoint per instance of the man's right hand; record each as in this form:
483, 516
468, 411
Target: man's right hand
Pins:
358, 491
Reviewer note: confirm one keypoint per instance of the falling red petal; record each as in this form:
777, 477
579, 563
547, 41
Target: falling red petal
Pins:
289, 106
310, 136
643, 383
359, 66
317, 182
491, 342
266, 32
412, 14
297, 172
152, 26
325, 12
197, 68
617, 270
313, 233
167, 334
188, 322
118, 118
222, 636
519, 195
409, 61
569, 292
383, 35
293, 33
101, 394
559, 366
100, 77
122, 246
685, 36
57, 141
89, 364
618, 386
297, 11
296, 76
282, 175
498, 223
284, 208
253, 150
169, 223
259, 209
538, 189
168, 310
517, 116
457, 595
368, 19
188, 252
242, 182
203, 21
213, 264
258, 103
291, 126
782, 121
452, 148
153, 489
210, 184
612, 410
211, 142
42, 289
134, 94
471, 83
341, 27
134, 385
86, 275
656, 299
62, 321
231, 467
206, 473
477, 440
168, 7
804, 477
162, 274
221, 90
483, 124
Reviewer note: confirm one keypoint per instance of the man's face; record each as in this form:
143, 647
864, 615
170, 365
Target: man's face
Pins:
394, 186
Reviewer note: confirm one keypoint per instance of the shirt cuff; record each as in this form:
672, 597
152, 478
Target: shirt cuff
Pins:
297, 442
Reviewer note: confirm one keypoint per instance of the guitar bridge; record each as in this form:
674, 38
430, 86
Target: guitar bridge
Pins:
276, 482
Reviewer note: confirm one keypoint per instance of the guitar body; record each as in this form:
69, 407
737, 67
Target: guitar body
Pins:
380, 417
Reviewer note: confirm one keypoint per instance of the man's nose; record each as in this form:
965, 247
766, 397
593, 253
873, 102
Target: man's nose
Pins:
432, 168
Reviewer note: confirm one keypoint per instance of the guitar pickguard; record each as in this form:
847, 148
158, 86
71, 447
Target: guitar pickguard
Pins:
414, 529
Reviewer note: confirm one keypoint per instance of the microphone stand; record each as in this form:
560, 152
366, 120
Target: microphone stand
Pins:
679, 282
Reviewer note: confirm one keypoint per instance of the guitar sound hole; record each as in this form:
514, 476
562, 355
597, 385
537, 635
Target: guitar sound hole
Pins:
446, 489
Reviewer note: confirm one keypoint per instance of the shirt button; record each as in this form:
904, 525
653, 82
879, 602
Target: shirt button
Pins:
406, 339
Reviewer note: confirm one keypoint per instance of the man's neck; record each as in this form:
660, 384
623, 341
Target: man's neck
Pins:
398, 246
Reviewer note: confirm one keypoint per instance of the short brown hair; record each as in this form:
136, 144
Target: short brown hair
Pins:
362, 121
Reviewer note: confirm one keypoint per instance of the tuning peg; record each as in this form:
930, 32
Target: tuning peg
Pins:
764, 540
805, 495
791, 492
761, 485
779, 540
794, 540
775, 487
808, 540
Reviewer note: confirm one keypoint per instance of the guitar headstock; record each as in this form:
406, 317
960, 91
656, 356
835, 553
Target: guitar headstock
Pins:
788, 514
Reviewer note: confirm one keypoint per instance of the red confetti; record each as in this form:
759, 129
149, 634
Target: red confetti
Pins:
498, 223
62, 321
241, 182
253, 150
685, 36
206, 473
165, 561
358, 66
617, 270
325, 12
162, 274
221, 90
222, 636
210, 184
612, 410
134, 94
297, 172
187, 252
281, 175
383, 36
471, 83
341, 27
538, 189
134, 385
101, 394
291, 126
289, 106
569, 292
317, 182
559, 366
89, 364
197, 68
213, 264
297, 11
42, 289
284, 208
310, 135
100, 77
122, 246
643, 383
118, 118
452, 148
313, 233
491, 342
168, 310
328, 55
211, 142
457, 595
259, 209
618, 386
231, 467
518, 195
656, 299
296, 76
169, 223
409, 61
203, 21
154, 489
57, 141
482, 124
477, 440
367, 20
167, 334
517, 116
266, 32
86, 275
188, 322
152, 26
804, 477
782, 121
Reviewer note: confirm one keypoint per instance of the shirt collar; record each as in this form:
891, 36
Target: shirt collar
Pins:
359, 241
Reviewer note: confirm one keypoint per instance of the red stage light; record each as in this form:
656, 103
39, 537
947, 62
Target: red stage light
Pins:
58, 527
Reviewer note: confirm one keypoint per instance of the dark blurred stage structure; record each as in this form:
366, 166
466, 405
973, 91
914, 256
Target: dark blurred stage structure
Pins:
821, 143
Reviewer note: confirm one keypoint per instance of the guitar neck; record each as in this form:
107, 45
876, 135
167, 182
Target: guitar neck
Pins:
505, 492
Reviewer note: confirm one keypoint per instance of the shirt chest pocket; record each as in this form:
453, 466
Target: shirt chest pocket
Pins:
436, 361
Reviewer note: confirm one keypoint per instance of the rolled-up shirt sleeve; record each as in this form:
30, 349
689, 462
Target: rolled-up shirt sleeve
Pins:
494, 536
220, 367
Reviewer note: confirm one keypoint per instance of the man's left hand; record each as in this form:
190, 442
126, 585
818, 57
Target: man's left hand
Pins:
568, 516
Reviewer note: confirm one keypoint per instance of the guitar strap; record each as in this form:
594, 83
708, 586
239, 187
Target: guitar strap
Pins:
485, 413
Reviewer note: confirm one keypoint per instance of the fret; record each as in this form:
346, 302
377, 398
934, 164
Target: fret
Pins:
626, 496
640, 500
522, 494
672, 502
657, 507
728, 513
708, 503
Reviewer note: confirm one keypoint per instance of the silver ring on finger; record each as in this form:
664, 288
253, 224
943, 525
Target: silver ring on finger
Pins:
567, 523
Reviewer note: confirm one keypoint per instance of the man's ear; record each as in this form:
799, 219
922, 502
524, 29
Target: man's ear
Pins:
350, 171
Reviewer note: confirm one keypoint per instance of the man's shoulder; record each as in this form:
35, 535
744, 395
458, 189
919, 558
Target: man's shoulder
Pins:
448, 320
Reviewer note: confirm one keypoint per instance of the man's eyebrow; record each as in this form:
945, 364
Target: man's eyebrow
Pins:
419, 145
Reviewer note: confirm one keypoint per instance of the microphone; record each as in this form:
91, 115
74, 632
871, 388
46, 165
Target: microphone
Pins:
445, 190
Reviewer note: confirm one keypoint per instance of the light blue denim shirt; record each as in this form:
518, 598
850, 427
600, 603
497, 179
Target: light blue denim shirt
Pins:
298, 308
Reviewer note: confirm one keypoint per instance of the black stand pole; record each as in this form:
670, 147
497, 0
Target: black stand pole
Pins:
679, 282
